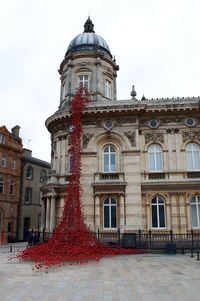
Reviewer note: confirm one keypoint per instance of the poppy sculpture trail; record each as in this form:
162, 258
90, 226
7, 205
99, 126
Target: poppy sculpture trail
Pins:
72, 240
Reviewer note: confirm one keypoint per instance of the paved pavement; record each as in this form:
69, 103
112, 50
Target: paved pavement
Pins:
121, 278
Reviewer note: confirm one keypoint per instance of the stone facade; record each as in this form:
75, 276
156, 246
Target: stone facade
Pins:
10, 173
140, 158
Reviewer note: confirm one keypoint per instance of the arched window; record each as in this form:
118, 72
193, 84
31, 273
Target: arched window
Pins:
193, 156
28, 195
195, 211
29, 173
1, 184
109, 159
155, 158
110, 213
158, 212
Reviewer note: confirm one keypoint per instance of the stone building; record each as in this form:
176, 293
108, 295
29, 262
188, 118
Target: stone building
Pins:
34, 175
10, 172
140, 158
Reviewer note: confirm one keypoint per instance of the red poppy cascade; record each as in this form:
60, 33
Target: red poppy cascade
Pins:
72, 240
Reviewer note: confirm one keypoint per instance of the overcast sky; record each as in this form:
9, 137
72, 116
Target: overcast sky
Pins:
156, 44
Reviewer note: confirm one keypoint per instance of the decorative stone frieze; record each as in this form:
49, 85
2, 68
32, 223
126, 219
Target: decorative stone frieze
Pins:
121, 121
190, 135
172, 130
131, 137
154, 136
86, 139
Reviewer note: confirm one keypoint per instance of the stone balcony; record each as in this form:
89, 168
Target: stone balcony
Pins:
109, 182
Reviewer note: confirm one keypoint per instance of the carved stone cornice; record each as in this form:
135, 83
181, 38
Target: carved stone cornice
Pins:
154, 137
190, 135
131, 137
86, 139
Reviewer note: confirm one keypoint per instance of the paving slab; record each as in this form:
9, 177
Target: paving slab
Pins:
151, 277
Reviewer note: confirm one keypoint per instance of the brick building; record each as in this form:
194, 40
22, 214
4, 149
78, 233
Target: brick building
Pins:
11, 149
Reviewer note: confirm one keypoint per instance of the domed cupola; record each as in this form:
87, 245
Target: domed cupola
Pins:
88, 62
88, 41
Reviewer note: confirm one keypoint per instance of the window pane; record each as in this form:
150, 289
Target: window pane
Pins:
112, 162
194, 216
189, 160
161, 216
106, 162
159, 161
106, 216
152, 162
113, 217
196, 160
154, 216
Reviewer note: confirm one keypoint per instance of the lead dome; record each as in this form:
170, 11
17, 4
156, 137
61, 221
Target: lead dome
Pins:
88, 41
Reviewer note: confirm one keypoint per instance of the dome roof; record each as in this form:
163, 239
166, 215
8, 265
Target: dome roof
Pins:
88, 41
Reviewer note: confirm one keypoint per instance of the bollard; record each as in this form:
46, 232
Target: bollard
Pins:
192, 255
183, 251
10, 249
198, 255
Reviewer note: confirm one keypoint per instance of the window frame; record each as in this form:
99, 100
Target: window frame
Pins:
109, 153
196, 204
29, 177
3, 161
82, 82
12, 187
110, 205
155, 155
158, 205
28, 195
1, 185
2, 138
190, 156
107, 89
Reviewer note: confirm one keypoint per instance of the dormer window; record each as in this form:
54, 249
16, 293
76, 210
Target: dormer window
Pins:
84, 81
107, 89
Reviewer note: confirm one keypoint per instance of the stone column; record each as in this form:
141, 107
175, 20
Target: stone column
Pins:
48, 214
121, 212
52, 214
42, 215
97, 211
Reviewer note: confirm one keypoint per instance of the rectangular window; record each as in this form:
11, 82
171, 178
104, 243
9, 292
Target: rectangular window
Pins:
3, 161
107, 89
14, 163
84, 81
1, 186
106, 163
2, 139
113, 217
28, 195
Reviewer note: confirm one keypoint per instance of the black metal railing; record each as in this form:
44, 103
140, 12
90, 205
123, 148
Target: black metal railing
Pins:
149, 240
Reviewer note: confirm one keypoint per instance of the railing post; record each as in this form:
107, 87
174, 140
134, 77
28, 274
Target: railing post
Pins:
118, 232
150, 239
192, 255
11, 249
43, 235
198, 255
171, 236
192, 234
139, 234
98, 234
